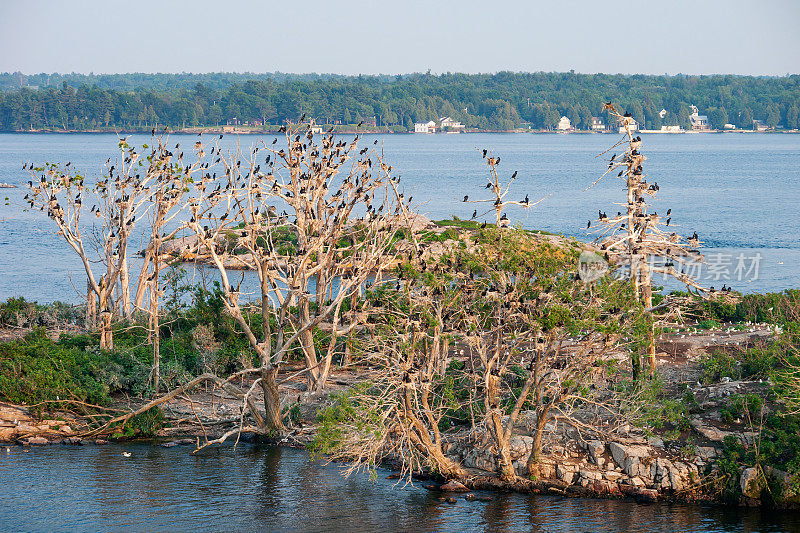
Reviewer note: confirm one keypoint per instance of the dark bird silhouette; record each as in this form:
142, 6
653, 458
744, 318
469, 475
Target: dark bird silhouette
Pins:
466, 197
484, 153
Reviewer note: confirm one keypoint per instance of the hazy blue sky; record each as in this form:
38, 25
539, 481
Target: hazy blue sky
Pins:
401, 36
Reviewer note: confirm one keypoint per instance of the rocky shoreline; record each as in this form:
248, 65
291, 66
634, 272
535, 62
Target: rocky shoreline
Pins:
623, 462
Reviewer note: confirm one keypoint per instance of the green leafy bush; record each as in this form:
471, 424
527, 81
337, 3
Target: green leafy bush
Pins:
36, 369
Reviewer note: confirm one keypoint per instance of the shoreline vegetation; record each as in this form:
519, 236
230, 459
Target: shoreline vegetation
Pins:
468, 354
354, 130
504, 101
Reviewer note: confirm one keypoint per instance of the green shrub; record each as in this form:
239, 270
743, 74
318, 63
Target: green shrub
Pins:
744, 407
36, 369
740, 364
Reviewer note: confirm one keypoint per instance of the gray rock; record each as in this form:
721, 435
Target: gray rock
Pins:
521, 446
750, 483
706, 452
595, 448
621, 452
709, 432
591, 474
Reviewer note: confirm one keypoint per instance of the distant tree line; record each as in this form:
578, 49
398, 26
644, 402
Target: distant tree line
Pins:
501, 101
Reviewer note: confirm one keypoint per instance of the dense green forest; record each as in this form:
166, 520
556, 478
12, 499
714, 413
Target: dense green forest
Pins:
501, 101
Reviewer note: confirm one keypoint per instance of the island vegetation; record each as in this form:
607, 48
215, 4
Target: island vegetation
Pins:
478, 353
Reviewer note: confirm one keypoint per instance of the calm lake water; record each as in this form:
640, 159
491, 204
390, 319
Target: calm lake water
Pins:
740, 192
256, 488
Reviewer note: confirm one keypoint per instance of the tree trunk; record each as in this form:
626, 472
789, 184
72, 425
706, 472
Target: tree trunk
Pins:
141, 285
309, 350
106, 319
447, 468
272, 400
647, 297
125, 289
91, 307
536, 449
155, 332
505, 468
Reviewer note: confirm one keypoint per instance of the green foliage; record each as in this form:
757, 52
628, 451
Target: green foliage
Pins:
175, 290
777, 445
774, 308
485, 101
20, 313
458, 223
740, 364
145, 424
708, 324
331, 423
292, 415
37, 369
745, 407
660, 412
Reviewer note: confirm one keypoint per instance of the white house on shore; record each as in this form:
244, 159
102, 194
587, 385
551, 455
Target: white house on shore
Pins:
564, 124
699, 122
425, 127
450, 124
598, 124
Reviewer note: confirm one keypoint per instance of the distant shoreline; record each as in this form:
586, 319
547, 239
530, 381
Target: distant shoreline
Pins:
254, 131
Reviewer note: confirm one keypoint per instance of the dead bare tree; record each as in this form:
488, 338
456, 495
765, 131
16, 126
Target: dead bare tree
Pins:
166, 183
637, 238
499, 192
330, 231
118, 197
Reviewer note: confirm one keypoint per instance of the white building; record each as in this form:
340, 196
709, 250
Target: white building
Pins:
449, 123
316, 129
699, 122
729, 126
672, 129
598, 124
564, 124
632, 124
425, 127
